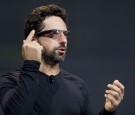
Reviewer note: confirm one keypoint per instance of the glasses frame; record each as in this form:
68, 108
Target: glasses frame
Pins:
52, 31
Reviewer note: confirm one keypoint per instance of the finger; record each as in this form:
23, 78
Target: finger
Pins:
114, 88
111, 99
113, 93
120, 85
30, 37
35, 42
23, 41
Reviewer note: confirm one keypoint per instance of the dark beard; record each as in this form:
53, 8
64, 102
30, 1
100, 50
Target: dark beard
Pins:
52, 58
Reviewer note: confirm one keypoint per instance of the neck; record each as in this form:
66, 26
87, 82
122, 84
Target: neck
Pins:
49, 69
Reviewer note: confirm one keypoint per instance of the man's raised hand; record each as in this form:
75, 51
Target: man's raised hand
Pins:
31, 49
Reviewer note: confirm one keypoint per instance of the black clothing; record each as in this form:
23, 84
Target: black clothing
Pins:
1, 111
31, 92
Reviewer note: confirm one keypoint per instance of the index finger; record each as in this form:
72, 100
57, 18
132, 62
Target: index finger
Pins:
30, 36
120, 85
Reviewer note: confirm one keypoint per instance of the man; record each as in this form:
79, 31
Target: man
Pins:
41, 87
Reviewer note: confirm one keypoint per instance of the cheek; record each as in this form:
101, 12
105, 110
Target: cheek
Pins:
49, 44
49, 47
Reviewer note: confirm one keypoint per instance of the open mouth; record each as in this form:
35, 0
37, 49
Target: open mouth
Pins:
61, 50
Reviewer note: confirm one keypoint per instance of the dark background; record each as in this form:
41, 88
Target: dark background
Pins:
101, 46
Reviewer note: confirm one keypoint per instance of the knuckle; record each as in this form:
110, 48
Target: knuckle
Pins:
118, 90
24, 46
116, 94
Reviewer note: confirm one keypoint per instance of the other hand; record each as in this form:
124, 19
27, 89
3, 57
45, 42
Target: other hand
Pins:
114, 95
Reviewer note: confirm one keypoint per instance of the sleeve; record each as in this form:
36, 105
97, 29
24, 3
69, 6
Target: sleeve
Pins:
104, 112
18, 97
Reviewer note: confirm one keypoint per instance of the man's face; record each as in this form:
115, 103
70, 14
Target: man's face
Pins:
54, 40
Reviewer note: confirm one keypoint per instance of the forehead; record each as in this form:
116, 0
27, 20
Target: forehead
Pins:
54, 22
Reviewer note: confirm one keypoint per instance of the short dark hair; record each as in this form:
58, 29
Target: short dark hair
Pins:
37, 16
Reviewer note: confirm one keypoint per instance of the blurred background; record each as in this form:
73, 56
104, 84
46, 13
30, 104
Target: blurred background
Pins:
100, 48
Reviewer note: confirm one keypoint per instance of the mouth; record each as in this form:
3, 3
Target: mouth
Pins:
61, 50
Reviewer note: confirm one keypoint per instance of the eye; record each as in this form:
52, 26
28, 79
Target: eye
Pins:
55, 32
66, 33
50, 35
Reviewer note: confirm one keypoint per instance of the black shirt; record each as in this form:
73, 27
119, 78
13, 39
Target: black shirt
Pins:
31, 92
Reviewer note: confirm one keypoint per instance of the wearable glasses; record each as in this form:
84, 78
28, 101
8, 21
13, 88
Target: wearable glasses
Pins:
53, 33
